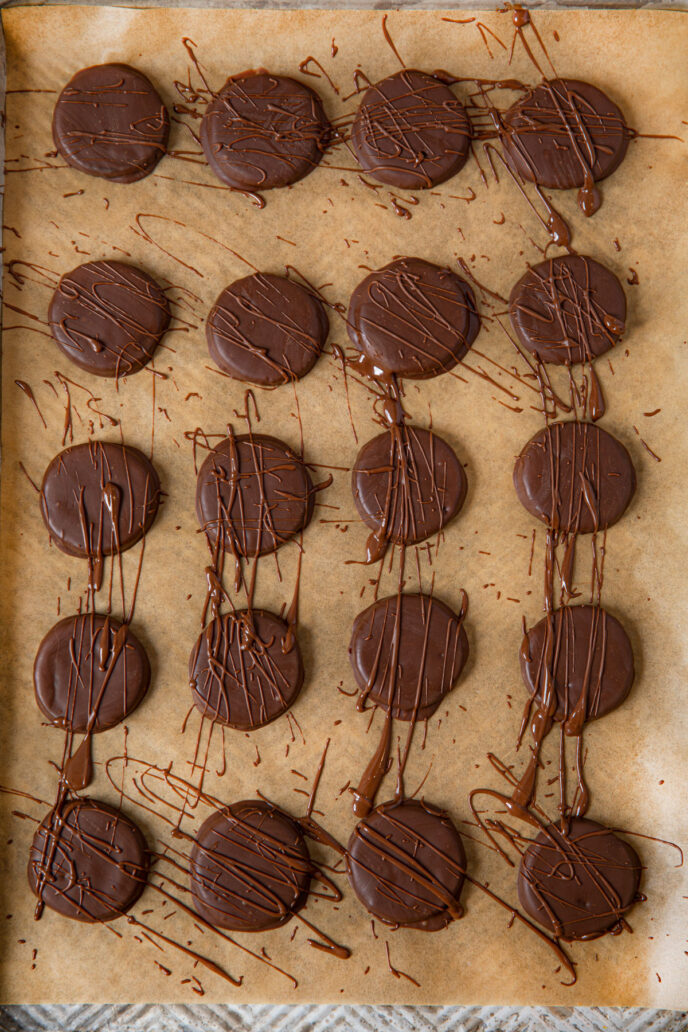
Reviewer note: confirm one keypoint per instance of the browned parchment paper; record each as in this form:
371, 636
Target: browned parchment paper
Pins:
185, 230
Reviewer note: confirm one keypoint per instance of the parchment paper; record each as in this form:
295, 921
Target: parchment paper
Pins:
56, 218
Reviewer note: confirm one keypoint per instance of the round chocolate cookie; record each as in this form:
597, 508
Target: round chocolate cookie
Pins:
108, 317
256, 491
110, 121
99, 498
240, 671
412, 319
591, 654
411, 131
88, 861
568, 309
575, 477
409, 482
266, 330
407, 652
406, 864
250, 868
90, 667
580, 883
564, 133
263, 131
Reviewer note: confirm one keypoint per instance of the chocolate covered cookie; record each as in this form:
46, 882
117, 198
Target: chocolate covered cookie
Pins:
110, 121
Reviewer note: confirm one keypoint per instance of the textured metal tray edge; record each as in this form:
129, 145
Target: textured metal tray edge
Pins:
318, 1018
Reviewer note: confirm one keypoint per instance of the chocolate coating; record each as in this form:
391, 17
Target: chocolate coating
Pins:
99, 498
89, 863
263, 131
591, 653
575, 477
266, 330
429, 643
412, 319
82, 657
411, 131
110, 121
240, 672
250, 868
108, 317
569, 309
578, 885
409, 482
257, 491
406, 864
564, 133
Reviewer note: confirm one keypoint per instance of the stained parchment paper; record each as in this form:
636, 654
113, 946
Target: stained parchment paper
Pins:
189, 232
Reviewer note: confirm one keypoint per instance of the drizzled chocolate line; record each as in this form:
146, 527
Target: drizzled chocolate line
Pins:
110, 121
108, 317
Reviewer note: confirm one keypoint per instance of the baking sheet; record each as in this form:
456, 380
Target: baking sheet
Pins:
635, 756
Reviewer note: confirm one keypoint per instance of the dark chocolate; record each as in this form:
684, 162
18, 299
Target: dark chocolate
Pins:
256, 491
565, 133
578, 884
266, 330
411, 131
245, 669
90, 673
408, 484
110, 121
250, 868
412, 319
263, 131
88, 861
575, 477
407, 652
99, 498
108, 317
568, 309
406, 864
590, 665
